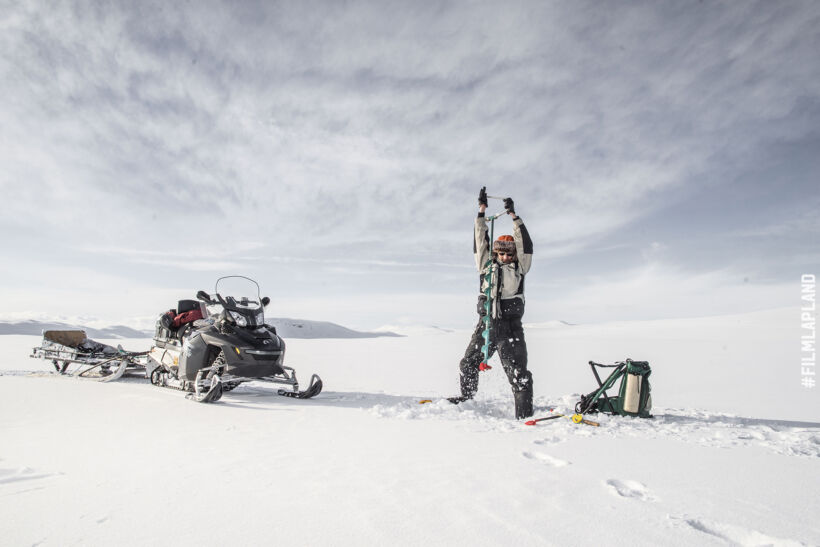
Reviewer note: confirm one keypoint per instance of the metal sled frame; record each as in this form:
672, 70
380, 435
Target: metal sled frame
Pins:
588, 402
89, 363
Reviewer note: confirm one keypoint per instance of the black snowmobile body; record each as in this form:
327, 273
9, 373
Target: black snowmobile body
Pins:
208, 355
247, 354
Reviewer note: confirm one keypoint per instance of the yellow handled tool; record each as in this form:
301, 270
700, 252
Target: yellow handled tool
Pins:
576, 418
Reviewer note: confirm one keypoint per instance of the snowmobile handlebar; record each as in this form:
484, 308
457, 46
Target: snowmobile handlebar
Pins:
205, 297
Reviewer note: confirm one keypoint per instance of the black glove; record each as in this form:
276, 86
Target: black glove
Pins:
482, 196
509, 205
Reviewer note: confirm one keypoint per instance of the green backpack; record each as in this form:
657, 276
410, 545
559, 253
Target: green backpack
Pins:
634, 395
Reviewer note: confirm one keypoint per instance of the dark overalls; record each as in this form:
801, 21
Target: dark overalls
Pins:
506, 333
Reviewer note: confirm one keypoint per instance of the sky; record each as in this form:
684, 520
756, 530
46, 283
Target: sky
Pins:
664, 156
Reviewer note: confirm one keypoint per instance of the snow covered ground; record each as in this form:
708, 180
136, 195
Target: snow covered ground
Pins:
731, 458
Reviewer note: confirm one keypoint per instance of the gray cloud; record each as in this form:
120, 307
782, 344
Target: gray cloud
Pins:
362, 131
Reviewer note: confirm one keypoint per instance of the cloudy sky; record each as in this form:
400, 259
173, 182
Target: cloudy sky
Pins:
664, 155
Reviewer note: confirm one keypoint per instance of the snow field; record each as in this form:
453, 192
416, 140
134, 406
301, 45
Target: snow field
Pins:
731, 457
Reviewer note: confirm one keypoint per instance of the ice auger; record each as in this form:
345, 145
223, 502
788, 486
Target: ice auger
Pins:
488, 295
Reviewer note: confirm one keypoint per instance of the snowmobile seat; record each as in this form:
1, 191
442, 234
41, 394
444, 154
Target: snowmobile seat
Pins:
187, 305
188, 311
183, 319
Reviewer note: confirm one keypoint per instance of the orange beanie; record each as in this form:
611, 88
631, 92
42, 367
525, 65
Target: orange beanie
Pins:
505, 244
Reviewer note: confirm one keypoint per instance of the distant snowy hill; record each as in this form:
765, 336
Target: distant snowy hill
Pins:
287, 328
412, 330
301, 328
37, 328
549, 324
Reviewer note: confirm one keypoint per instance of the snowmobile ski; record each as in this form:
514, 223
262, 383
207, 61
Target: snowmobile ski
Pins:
201, 390
213, 394
313, 390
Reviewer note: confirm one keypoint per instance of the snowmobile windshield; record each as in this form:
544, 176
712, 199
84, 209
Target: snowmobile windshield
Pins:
240, 298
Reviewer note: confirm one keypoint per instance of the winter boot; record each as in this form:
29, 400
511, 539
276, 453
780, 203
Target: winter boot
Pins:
523, 404
468, 382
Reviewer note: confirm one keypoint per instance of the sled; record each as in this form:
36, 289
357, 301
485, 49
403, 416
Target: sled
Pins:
72, 353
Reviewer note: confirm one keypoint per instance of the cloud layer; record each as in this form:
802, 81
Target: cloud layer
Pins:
320, 145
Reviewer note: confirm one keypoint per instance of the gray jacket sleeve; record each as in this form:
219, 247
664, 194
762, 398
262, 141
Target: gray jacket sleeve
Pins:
523, 245
481, 243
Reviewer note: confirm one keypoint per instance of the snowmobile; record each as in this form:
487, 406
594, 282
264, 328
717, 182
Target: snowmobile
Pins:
207, 354
74, 354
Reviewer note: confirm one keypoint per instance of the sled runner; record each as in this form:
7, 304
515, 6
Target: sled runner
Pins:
72, 353
207, 354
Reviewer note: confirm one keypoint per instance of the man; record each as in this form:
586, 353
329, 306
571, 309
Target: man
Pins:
511, 260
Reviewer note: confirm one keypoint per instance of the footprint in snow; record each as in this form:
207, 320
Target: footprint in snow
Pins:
548, 440
20, 474
545, 458
736, 535
630, 489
